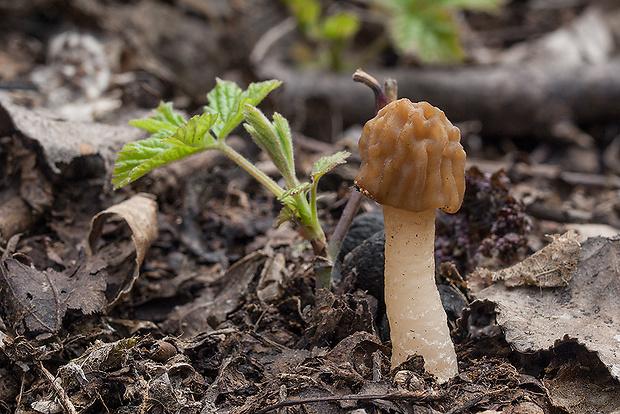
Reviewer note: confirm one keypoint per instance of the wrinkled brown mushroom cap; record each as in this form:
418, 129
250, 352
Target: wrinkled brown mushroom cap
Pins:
412, 158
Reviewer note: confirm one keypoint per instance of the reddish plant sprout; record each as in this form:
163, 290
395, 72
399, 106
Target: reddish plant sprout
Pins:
489, 230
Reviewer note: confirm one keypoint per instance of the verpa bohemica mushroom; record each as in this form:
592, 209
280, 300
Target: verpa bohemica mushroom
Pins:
413, 163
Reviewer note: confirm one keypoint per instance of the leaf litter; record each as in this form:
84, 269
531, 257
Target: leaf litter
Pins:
583, 306
35, 302
258, 338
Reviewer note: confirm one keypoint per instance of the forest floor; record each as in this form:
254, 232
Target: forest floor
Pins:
177, 294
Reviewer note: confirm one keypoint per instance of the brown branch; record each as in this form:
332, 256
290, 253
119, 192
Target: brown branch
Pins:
61, 394
418, 396
524, 100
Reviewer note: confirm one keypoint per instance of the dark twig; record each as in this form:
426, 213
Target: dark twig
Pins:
418, 396
474, 401
60, 392
381, 99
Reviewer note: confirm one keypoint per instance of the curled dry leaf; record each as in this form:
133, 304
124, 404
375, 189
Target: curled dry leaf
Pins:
140, 214
551, 266
586, 309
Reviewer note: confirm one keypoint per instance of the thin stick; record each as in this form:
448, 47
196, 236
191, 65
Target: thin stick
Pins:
381, 99
343, 225
400, 395
62, 395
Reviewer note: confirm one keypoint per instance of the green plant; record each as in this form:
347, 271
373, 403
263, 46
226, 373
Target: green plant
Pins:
173, 138
329, 34
429, 29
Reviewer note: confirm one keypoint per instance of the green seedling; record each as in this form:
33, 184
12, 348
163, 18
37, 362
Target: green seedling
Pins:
328, 34
429, 29
173, 137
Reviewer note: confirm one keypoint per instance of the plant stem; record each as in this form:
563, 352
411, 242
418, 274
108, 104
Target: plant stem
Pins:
260, 176
313, 209
307, 218
348, 214
391, 91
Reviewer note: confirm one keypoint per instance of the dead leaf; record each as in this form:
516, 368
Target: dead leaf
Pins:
28, 194
140, 214
270, 285
15, 217
205, 313
587, 309
335, 317
551, 266
34, 302
126, 367
580, 383
63, 141
357, 350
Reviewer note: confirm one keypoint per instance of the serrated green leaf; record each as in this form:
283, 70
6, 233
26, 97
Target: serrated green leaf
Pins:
431, 35
325, 164
138, 158
165, 112
195, 132
223, 100
298, 189
227, 100
150, 125
163, 117
257, 91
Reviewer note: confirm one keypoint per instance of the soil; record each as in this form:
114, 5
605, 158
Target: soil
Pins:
190, 300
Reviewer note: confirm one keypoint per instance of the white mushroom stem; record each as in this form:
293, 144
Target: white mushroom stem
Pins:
418, 322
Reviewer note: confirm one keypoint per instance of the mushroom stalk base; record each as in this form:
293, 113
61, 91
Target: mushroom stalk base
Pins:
418, 322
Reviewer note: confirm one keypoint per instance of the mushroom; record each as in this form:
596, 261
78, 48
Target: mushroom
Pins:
413, 163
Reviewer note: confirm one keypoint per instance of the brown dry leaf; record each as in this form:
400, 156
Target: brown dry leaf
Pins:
15, 217
551, 266
34, 302
205, 312
586, 310
335, 317
271, 283
580, 384
129, 368
140, 214
64, 141
27, 192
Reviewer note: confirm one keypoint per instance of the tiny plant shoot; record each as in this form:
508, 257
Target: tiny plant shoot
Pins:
173, 138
